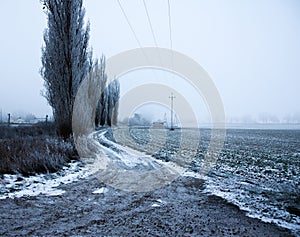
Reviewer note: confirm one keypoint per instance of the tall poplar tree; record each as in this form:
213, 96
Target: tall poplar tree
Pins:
64, 58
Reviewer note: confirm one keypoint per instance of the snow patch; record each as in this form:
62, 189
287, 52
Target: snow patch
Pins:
193, 175
101, 190
16, 186
235, 196
126, 157
158, 204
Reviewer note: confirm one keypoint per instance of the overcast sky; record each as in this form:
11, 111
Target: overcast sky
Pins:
250, 48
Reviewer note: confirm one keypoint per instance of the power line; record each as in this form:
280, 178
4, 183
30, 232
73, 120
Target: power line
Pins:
171, 41
135, 35
170, 26
152, 31
128, 22
150, 24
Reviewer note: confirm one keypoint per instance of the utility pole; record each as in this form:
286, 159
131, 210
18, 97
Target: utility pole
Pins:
172, 97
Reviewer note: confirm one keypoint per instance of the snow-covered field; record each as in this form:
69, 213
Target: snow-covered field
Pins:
258, 170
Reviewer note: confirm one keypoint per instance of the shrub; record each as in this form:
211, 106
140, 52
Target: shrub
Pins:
33, 149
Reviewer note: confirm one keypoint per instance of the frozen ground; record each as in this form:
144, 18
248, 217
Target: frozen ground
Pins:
16, 186
258, 170
75, 202
89, 208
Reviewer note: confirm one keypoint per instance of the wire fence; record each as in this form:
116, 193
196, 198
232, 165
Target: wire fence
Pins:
10, 121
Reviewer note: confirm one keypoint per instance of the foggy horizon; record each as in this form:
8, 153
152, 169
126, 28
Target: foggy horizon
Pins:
251, 50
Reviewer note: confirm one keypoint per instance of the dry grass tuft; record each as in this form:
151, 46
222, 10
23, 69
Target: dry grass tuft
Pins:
33, 149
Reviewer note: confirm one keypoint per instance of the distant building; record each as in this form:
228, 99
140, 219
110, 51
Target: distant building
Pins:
19, 121
138, 120
158, 125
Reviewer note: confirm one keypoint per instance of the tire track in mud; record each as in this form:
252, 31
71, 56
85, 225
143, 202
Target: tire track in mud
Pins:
182, 209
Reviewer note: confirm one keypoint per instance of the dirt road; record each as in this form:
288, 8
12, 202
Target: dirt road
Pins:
178, 209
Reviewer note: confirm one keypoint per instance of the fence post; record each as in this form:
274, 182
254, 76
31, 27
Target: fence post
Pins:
46, 119
8, 120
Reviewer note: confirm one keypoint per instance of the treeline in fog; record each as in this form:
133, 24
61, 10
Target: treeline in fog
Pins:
67, 60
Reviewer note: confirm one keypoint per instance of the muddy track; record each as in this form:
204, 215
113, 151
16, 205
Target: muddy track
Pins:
178, 209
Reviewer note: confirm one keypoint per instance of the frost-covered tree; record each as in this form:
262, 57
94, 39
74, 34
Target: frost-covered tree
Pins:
102, 103
64, 58
107, 108
115, 92
103, 107
110, 103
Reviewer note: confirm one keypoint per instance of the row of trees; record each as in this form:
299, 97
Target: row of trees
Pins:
67, 60
108, 104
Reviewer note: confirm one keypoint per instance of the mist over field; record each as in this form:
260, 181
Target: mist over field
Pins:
250, 50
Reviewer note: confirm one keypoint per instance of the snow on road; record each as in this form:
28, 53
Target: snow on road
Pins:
132, 170
125, 158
